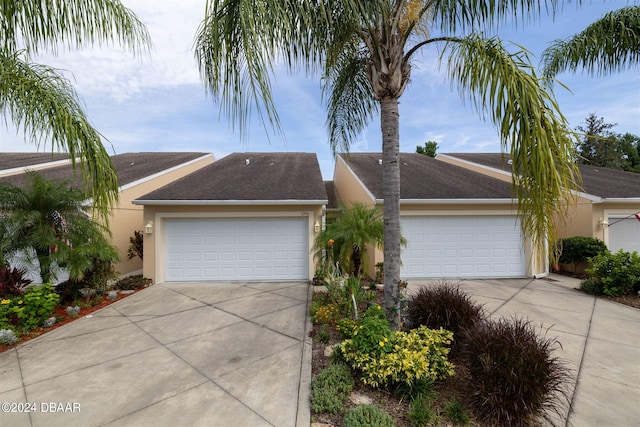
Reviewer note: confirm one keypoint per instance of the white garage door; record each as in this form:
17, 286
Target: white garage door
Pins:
624, 233
236, 249
463, 246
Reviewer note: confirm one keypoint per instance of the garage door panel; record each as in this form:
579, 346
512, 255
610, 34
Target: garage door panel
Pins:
463, 246
236, 249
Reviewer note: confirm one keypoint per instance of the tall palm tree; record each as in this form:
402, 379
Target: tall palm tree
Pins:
364, 49
610, 44
40, 99
47, 219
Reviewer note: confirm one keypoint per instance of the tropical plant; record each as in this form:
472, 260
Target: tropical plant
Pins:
40, 100
136, 245
364, 50
515, 373
46, 222
444, 305
429, 149
608, 45
352, 229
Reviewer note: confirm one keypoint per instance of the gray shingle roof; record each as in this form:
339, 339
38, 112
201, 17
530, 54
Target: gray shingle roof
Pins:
131, 167
601, 182
17, 160
422, 177
249, 176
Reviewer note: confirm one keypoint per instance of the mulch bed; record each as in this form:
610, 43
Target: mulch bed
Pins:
63, 318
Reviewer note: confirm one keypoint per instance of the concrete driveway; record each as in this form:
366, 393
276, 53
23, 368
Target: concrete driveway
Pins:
206, 354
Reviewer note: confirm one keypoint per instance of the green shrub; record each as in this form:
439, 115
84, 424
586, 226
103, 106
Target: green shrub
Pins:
619, 273
330, 388
372, 335
574, 250
32, 309
457, 413
514, 375
37, 305
346, 328
592, 286
386, 358
421, 413
444, 305
367, 416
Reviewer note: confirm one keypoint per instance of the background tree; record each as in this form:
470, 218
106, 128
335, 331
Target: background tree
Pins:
429, 149
47, 223
610, 44
364, 51
40, 99
599, 146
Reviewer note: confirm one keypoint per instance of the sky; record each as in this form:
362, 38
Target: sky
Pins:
157, 102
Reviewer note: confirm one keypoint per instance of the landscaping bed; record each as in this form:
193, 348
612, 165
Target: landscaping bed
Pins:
84, 307
444, 400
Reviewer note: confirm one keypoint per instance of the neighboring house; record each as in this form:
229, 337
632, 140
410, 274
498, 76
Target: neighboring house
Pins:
605, 208
246, 217
138, 174
16, 163
457, 223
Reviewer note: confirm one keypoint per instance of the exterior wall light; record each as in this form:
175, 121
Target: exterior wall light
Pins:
148, 229
316, 227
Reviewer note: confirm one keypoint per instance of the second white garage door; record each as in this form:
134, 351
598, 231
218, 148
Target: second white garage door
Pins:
236, 249
462, 246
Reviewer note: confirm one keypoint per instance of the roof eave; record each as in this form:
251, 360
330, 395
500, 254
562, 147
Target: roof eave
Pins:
630, 200
290, 202
451, 201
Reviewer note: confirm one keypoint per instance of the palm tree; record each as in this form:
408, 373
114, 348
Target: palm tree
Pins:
41, 100
610, 44
352, 230
364, 49
47, 219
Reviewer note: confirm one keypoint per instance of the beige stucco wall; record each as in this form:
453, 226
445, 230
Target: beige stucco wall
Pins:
578, 220
350, 189
154, 242
126, 217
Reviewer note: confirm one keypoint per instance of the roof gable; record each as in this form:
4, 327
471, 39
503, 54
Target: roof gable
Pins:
249, 177
597, 181
425, 178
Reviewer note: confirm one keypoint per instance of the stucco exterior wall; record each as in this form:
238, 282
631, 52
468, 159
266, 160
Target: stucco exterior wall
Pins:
578, 220
154, 242
350, 189
126, 217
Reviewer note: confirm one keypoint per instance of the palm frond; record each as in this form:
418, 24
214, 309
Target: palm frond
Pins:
34, 25
530, 125
47, 107
456, 16
351, 104
610, 44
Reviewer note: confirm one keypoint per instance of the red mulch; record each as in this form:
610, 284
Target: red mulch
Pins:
62, 318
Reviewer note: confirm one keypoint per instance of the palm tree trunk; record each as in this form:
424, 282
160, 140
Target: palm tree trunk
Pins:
390, 123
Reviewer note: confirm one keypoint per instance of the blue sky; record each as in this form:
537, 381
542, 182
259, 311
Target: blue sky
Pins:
156, 102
